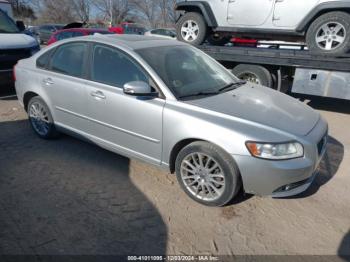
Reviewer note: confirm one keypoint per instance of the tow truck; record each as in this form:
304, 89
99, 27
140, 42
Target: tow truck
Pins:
287, 67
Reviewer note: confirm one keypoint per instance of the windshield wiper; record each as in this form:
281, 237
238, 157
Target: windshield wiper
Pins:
200, 94
231, 86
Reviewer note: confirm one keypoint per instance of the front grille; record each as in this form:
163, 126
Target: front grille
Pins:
8, 58
322, 144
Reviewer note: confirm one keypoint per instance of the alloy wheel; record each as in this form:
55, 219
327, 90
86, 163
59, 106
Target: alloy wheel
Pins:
190, 31
330, 36
39, 118
203, 176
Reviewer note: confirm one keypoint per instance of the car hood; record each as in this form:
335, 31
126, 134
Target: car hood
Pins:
15, 41
264, 106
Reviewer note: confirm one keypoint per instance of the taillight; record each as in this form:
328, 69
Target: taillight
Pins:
14, 73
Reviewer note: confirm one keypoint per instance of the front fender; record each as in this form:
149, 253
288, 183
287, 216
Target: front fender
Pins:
187, 122
203, 7
321, 9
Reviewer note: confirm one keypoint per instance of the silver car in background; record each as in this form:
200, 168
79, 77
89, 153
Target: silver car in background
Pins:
167, 103
168, 33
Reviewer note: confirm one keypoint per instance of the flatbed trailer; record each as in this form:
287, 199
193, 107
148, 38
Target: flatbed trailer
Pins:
295, 71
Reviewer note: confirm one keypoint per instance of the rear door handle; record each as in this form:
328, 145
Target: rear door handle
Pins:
48, 81
98, 95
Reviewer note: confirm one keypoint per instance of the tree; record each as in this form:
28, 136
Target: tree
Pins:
82, 9
22, 10
157, 13
148, 10
171, 11
115, 11
57, 11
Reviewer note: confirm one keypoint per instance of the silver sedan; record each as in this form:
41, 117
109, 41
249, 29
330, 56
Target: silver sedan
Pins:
167, 103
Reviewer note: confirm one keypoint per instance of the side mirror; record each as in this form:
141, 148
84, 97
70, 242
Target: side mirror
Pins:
139, 88
20, 25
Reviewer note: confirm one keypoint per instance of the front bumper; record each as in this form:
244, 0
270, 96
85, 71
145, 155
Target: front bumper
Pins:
288, 177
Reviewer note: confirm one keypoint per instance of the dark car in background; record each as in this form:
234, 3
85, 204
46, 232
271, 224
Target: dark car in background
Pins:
14, 46
45, 31
75, 32
129, 29
34, 32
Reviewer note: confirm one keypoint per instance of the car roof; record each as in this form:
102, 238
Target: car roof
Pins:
83, 30
133, 42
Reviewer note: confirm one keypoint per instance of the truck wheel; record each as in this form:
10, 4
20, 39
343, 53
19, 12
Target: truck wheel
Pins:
191, 28
254, 73
207, 174
217, 39
330, 34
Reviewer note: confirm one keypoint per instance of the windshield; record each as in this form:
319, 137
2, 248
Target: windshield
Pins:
6, 24
187, 71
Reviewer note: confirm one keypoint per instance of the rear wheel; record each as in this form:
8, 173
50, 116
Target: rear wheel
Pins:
330, 34
41, 119
255, 74
207, 174
191, 28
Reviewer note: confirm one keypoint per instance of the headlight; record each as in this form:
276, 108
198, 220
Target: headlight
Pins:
274, 151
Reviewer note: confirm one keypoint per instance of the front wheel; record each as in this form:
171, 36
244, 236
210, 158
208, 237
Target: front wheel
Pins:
207, 174
191, 28
330, 34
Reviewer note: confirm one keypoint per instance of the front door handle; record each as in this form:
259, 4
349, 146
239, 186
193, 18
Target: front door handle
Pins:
48, 81
98, 95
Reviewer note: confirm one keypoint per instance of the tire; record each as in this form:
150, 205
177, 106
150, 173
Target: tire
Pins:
199, 35
42, 129
227, 185
255, 74
330, 20
217, 40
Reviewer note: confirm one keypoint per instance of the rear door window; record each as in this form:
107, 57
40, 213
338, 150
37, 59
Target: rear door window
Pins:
69, 59
43, 61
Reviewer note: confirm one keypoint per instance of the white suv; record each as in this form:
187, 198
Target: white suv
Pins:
324, 24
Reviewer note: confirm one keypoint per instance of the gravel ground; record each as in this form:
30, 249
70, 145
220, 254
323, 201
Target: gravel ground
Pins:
70, 197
